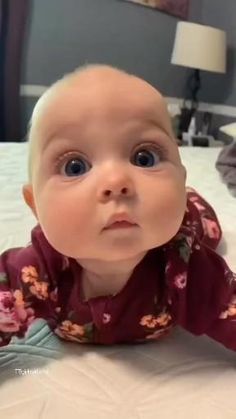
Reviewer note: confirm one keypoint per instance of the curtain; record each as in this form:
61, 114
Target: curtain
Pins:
13, 19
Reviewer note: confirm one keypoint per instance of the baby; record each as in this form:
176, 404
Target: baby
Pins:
122, 251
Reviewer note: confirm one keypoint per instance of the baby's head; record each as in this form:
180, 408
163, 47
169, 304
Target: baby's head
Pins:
101, 143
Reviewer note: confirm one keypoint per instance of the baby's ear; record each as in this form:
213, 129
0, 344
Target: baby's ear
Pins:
28, 195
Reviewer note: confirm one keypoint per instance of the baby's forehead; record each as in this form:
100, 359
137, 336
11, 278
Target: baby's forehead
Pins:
107, 95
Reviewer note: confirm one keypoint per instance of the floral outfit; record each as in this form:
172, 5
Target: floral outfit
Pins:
184, 282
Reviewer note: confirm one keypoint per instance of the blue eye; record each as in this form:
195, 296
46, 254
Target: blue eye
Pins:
75, 167
146, 159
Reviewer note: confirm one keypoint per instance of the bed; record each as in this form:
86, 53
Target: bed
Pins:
182, 376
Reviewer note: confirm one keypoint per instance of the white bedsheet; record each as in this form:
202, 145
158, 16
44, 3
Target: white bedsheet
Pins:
180, 377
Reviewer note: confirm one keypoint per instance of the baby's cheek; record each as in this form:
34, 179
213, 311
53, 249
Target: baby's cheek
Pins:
175, 202
169, 198
168, 207
61, 216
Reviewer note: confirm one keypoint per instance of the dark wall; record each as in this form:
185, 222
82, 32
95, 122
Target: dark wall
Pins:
65, 34
219, 88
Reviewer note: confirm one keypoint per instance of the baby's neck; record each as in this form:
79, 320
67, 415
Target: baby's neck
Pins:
94, 286
101, 278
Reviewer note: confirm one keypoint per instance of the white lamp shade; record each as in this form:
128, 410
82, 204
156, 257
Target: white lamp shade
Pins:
200, 47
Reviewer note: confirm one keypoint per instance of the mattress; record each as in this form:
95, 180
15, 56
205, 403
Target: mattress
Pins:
182, 376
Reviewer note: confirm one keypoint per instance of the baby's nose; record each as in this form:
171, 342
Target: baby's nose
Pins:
115, 188
116, 191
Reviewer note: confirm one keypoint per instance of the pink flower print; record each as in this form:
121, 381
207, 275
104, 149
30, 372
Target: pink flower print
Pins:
65, 263
200, 207
8, 324
13, 314
6, 300
193, 198
8, 318
181, 280
106, 318
23, 313
210, 228
223, 315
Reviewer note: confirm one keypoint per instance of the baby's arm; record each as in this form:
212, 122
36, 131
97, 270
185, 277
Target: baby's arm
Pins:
202, 219
202, 289
26, 292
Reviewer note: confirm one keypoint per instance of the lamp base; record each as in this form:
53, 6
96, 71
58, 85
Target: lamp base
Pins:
193, 86
184, 121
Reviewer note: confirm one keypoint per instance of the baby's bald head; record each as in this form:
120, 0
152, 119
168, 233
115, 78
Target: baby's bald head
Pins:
92, 83
101, 141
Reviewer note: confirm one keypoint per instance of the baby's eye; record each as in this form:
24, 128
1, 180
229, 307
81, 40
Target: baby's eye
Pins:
77, 166
147, 158
74, 167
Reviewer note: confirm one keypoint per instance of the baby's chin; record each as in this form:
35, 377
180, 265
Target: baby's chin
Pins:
119, 254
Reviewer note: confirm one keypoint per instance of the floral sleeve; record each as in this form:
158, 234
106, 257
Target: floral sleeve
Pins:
202, 288
202, 219
26, 292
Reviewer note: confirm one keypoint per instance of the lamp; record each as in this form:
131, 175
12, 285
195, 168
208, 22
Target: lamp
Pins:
202, 48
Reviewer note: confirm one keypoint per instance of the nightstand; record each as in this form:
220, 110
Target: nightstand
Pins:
200, 141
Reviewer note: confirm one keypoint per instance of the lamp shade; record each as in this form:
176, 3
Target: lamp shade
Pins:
200, 47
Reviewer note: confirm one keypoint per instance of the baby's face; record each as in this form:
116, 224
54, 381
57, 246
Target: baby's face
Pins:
104, 145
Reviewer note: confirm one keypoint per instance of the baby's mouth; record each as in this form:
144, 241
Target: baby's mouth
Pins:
120, 220
121, 224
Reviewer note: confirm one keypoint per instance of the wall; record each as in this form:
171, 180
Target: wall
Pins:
65, 34
219, 88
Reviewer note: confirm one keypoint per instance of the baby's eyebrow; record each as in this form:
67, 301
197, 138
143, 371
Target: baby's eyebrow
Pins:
56, 135
164, 130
